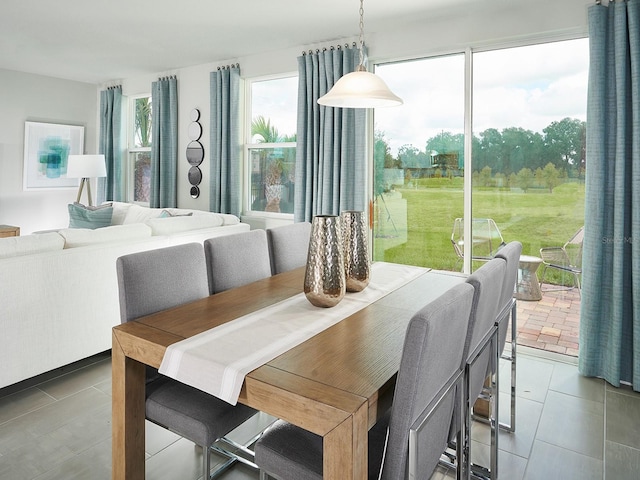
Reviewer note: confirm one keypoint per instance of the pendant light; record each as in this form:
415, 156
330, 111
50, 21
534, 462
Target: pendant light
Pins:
360, 89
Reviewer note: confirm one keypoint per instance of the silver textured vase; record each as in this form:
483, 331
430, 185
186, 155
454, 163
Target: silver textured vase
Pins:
356, 251
324, 281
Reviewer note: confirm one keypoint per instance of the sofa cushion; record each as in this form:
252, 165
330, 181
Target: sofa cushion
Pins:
82, 237
171, 225
168, 213
227, 218
81, 216
28, 244
139, 214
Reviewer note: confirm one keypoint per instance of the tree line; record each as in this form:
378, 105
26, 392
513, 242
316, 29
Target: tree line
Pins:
507, 157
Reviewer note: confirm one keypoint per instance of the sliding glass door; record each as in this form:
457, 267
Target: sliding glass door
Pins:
419, 163
524, 109
529, 123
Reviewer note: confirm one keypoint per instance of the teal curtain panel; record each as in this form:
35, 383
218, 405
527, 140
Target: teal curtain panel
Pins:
225, 185
610, 308
164, 143
111, 145
331, 142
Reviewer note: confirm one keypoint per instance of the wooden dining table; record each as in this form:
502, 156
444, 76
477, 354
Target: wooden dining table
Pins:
335, 384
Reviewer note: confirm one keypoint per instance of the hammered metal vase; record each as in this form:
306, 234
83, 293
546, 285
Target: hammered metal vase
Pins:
324, 281
356, 251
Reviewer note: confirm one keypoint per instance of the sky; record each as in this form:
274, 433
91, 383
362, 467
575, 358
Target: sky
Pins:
527, 87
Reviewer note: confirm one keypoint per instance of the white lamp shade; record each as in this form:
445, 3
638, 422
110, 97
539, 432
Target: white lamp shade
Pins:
360, 89
86, 166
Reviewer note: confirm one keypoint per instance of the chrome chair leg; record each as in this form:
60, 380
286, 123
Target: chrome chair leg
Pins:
206, 462
494, 403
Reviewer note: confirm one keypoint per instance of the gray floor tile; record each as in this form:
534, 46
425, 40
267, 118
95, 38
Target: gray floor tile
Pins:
533, 378
157, 438
77, 381
566, 379
551, 462
104, 387
621, 462
35, 459
181, 459
528, 415
77, 468
55, 415
85, 430
14, 434
622, 389
25, 401
623, 419
509, 466
573, 423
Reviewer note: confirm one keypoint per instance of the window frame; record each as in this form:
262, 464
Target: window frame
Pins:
132, 149
249, 145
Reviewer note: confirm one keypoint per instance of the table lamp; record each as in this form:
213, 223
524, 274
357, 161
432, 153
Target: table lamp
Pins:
86, 167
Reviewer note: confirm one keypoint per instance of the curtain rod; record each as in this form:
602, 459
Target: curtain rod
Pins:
168, 77
225, 67
113, 87
332, 47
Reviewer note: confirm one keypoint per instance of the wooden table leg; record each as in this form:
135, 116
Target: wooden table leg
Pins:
345, 448
127, 454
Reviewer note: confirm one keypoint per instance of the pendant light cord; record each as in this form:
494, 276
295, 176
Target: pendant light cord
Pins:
361, 66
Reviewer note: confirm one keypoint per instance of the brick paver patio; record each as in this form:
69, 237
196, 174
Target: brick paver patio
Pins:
552, 323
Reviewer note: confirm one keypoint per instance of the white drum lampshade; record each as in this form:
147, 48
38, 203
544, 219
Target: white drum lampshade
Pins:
86, 167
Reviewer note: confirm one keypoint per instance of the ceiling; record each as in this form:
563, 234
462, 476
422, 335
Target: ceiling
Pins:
100, 40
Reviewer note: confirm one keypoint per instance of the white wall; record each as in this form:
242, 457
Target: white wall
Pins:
27, 97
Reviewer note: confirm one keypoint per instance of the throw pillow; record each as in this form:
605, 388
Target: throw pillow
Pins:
81, 216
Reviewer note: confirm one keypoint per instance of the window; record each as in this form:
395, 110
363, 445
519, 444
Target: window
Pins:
139, 159
271, 145
526, 170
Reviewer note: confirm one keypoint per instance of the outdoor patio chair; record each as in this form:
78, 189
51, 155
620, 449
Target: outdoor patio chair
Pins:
487, 239
567, 258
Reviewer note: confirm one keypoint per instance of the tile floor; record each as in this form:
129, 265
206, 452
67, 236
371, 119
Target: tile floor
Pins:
568, 427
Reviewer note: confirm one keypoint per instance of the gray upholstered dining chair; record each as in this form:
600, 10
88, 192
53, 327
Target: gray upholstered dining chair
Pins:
288, 246
238, 259
414, 432
480, 349
507, 310
156, 280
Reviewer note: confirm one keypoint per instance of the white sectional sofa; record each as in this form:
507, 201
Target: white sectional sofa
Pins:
58, 290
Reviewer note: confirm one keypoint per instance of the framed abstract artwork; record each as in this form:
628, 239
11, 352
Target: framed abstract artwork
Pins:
47, 147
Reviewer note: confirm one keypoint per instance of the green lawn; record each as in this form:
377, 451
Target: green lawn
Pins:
537, 219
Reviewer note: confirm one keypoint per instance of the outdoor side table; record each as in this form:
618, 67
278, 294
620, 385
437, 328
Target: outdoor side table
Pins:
528, 287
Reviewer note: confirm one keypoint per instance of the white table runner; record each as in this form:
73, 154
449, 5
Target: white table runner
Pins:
216, 361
